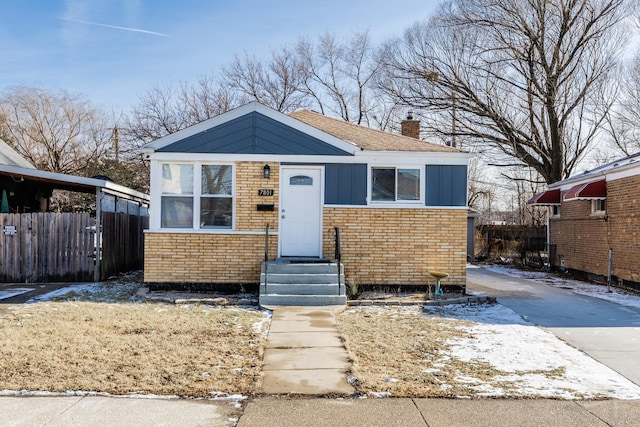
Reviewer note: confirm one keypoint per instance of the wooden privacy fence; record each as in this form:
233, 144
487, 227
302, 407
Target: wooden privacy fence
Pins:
60, 247
41, 247
122, 242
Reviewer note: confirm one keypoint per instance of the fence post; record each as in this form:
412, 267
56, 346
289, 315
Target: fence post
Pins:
98, 239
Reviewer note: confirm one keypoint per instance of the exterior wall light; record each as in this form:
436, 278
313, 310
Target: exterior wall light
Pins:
267, 171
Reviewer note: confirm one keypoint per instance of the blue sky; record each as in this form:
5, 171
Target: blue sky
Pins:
113, 51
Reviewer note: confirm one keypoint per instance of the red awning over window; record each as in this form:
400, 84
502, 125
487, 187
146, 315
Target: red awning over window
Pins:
549, 197
589, 191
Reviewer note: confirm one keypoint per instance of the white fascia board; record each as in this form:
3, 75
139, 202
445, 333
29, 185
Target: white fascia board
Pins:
623, 172
241, 111
426, 157
371, 157
568, 183
616, 172
113, 188
52, 176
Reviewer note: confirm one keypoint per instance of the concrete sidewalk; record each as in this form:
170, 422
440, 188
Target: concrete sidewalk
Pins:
285, 412
304, 353
116, 412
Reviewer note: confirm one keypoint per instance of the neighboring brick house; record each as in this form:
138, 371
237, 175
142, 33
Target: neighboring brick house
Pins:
593, 212
400, 203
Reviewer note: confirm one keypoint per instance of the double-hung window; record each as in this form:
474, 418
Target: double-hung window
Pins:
216, 199
391, 184
198, 196
176, 205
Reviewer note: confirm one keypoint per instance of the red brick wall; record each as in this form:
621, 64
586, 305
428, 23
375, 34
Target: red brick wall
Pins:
584, 239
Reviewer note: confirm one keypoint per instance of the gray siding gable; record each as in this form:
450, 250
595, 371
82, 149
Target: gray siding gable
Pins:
253, 133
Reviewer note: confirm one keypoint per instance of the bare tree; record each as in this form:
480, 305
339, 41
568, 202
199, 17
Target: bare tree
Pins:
166, 109
623, 118
276, 83
55, 131
528, 78
340, 75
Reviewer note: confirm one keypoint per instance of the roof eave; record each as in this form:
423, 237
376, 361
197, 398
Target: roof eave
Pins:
74, 180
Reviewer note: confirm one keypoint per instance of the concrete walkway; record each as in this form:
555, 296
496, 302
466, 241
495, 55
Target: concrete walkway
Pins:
304, 353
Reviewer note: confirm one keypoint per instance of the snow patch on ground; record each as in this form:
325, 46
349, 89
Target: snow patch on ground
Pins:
8, 293
534, 361
59, 293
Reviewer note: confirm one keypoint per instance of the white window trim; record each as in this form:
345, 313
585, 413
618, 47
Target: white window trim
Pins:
179, 195
551, 214
196, 195
397, 203
595, 212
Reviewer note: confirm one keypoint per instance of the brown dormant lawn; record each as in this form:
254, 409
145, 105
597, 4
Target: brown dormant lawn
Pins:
196, 350
123, 348
401, 353
392, 350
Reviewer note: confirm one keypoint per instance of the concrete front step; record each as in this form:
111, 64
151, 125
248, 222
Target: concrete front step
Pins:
307, 278
284, 282
277, 267
302, 288
301, 300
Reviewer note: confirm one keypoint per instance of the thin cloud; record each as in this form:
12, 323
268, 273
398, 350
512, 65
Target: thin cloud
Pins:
115, 27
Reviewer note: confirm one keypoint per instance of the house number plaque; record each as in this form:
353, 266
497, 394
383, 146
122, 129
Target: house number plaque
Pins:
265, 192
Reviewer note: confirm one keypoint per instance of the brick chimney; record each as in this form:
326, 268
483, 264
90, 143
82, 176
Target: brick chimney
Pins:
411, 127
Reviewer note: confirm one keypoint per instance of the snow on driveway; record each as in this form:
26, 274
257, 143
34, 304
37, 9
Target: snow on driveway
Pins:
617, 295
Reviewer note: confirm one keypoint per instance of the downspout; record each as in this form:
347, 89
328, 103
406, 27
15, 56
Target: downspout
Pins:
549, 213
98, 240
606, 218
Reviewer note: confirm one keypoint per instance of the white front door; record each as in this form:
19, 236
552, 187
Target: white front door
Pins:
301, 211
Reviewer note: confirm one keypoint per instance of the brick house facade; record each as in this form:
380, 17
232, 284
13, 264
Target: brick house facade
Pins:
592, 213
400, 203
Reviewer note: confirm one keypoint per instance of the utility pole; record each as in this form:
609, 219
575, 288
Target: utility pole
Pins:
453, 120
116, 144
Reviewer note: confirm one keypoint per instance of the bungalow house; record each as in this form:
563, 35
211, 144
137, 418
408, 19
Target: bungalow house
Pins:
594, 218
254, 184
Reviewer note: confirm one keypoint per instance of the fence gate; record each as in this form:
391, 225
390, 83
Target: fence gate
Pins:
122, 243
47, 247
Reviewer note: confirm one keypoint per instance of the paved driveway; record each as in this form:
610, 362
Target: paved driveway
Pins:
608, 332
